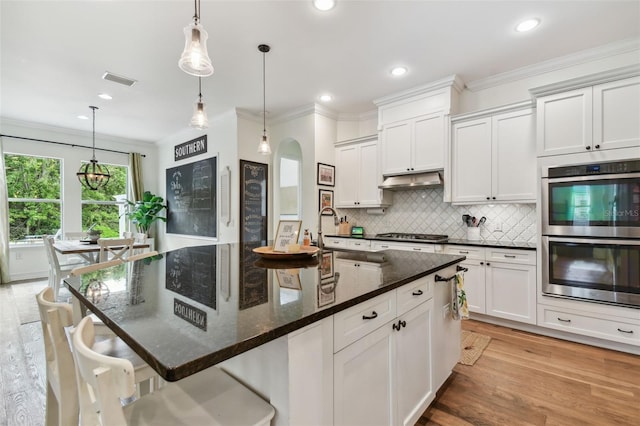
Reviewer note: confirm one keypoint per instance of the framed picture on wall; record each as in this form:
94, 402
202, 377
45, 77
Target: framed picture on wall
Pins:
326, 200
326, 175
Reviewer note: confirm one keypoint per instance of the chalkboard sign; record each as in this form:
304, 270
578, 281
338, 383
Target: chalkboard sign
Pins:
253, 201
253, 282
191, 198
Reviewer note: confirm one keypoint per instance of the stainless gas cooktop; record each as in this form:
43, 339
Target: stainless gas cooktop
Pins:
431, 238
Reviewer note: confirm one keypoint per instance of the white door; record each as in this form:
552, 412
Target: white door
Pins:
564, 122
413, 363
396, 148
347, 172
616, 114
363, 381
471, 161
511, 291
513, 153
369, 179
428, 142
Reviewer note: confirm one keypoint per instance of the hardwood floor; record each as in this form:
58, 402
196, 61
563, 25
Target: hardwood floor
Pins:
527, 379
521, 378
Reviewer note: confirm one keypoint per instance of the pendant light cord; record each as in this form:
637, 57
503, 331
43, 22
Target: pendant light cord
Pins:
196, 4
264, 96
200, 89
94, 108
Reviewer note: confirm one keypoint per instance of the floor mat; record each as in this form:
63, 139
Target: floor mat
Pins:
473, 344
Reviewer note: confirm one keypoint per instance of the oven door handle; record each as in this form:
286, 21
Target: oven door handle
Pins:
591, 241
592, 177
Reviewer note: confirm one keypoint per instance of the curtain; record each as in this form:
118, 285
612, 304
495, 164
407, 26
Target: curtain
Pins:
4, 222
135, 167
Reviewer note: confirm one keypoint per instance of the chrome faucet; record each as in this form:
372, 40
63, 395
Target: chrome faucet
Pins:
335, 221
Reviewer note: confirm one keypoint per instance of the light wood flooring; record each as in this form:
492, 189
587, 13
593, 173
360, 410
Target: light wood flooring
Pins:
521, 378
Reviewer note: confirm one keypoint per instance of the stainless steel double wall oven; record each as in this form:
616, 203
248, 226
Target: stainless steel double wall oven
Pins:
591, 232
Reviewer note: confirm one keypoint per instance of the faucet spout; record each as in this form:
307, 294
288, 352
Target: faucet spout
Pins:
335, 221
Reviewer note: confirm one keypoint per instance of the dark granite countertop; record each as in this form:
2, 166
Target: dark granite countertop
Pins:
191, 308
454, 241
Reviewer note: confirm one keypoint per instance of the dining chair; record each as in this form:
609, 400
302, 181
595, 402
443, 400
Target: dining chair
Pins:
57, 270
94, 267
141, 256
62, 405
209, 397
115, 248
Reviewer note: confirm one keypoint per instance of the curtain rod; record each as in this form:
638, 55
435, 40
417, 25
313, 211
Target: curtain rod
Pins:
66, 144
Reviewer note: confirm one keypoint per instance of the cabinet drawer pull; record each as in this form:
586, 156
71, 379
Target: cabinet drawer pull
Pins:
563, 320
463, 252
403, 323
625, 331
396, 327
373, 315
417, 293
384, 246
510, 256
417, 249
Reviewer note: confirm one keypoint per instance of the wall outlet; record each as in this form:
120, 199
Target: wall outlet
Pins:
497, 227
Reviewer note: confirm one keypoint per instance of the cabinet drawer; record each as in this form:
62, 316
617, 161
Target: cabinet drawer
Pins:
523, 257
470, 251
355, 244
335, 242
411, 295
360, 320
583, 323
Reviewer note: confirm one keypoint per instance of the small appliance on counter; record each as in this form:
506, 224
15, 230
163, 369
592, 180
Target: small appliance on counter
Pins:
344, 228
357, 231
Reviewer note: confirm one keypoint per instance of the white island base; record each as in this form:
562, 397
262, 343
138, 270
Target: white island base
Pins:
346, 370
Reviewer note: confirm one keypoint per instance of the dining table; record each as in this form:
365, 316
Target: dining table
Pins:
88, 250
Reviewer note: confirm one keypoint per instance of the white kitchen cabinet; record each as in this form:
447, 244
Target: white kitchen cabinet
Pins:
336, 242
499, 282
589, 119
414, 145
396, 245
385, 377
357, 175
494, 158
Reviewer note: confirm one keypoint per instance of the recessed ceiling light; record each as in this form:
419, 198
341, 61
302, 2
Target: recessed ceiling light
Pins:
105, 96
83, 117
527, 25
324, 5
326, 98
398, 71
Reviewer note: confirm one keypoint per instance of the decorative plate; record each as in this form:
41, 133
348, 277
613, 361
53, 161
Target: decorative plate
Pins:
267, 252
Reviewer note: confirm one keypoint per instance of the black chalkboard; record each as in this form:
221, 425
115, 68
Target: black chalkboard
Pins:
191, 198
253, 201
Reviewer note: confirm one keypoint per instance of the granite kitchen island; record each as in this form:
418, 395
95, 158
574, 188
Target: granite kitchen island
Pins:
320, 338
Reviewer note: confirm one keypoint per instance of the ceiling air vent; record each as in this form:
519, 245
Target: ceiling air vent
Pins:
118, 79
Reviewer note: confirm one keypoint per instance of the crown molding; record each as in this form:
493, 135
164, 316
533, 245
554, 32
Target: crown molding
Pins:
581, 57
450, 81
303, 111
587, 80
369, 115
499, 110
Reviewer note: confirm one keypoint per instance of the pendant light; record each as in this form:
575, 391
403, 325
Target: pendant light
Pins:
93, 175
199, 119
263, 147
195, 58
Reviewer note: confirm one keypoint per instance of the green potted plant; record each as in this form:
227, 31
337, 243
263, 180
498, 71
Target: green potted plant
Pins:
145, 212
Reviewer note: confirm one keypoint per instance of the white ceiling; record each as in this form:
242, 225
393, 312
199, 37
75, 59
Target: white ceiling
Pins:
54, 53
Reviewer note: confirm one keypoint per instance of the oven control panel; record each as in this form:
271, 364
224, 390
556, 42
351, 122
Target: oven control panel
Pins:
596, 169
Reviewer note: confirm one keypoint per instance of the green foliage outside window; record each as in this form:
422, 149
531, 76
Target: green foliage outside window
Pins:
100, 208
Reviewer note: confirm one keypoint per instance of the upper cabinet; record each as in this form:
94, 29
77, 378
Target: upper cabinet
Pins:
493, 156
580, 116
357, 174
413, 127
414, 145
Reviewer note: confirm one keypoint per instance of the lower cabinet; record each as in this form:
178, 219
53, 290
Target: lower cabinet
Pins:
385, 377
500, 282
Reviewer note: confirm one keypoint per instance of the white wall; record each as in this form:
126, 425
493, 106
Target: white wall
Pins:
30, 262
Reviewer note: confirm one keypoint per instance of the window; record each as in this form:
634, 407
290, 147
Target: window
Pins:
33, 187
103, 210
289, 188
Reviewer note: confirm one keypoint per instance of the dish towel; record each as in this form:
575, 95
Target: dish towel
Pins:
459, 307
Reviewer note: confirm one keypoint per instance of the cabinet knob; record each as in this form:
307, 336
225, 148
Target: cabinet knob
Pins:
588, 147
488, 264
482, 263
408, 169
488, 198
493, 198
412, 168
403, 323
597, 146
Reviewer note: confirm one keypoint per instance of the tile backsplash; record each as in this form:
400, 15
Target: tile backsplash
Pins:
424, 212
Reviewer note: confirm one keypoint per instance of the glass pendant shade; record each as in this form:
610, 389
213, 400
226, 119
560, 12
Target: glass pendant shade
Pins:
195, 59
263, 147
93, 175
199, 119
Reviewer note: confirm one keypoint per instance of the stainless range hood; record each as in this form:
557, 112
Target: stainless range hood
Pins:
415, 181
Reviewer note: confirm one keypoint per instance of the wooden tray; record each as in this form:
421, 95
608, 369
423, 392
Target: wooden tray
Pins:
267, 252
